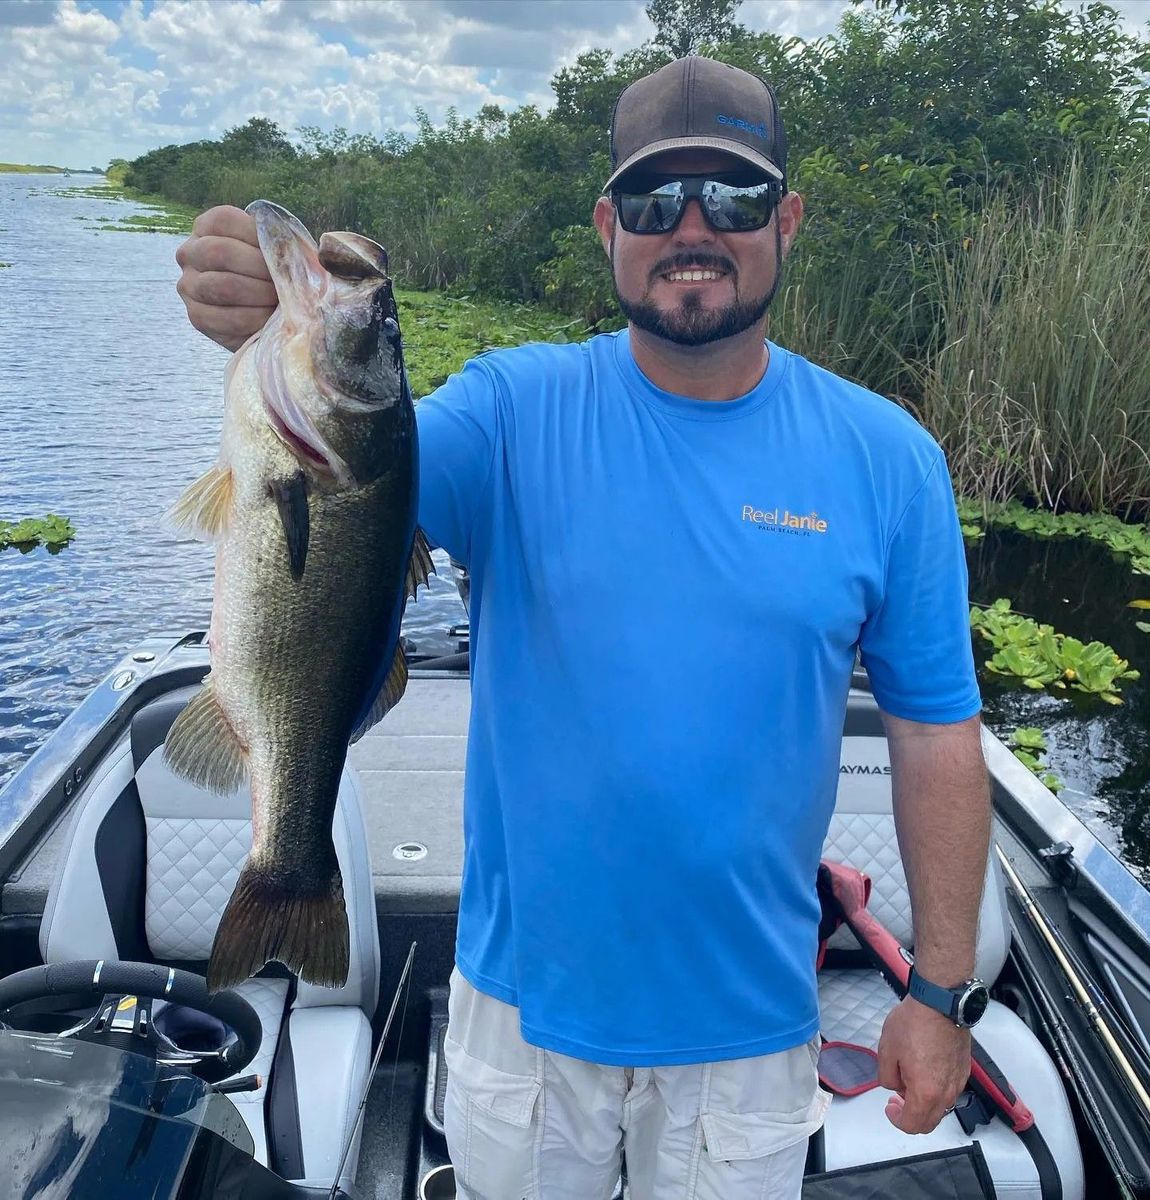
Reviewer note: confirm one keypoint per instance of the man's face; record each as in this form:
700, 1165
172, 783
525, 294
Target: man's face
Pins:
741, 268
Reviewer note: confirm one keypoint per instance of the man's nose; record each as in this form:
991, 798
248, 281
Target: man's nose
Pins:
693, 225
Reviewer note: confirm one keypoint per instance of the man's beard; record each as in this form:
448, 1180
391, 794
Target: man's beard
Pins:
692, 324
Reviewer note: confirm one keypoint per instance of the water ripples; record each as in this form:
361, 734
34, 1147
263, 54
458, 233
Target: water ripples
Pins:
112, 405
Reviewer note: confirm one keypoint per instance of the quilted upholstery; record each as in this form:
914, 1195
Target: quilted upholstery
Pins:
867, 842
193, 863
193, 844
854, 1004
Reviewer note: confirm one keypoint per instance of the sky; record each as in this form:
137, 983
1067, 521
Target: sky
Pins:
85, 81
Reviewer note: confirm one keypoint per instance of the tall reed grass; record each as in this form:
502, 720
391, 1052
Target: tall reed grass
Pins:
1038, 380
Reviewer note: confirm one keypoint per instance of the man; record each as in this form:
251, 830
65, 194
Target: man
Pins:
677, 538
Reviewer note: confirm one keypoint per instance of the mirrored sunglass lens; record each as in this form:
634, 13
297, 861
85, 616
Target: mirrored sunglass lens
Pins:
737, 208
653, 210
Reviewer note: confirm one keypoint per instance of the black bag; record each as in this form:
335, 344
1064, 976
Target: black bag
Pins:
946, 1175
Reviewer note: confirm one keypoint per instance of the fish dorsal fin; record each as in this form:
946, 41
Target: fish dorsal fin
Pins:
390, 694
205, 508
203, 747
420, 568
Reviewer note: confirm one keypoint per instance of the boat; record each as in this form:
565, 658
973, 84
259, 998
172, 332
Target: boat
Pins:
120, 1075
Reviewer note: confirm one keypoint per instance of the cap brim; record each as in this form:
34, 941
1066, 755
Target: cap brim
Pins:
728, 145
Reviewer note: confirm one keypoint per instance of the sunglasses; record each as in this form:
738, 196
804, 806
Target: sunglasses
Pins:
657, 205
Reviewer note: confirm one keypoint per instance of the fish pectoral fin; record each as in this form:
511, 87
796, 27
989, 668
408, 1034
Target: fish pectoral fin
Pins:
389, 695
203, 747
420, 568
204, 509
291, 499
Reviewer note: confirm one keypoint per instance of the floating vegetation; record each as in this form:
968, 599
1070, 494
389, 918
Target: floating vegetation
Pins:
1028, 743
1129, 541
52, 531
441, 332
1041, 658
158, 215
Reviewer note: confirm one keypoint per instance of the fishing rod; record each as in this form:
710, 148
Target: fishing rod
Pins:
1082, 992
371, 1072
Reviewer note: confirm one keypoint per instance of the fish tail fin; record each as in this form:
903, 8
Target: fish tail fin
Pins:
269, 919
203, 747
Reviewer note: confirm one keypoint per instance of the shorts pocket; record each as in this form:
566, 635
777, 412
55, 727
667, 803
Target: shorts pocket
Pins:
755, 1125
491, 1127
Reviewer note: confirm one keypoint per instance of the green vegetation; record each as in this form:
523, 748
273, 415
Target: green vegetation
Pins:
1128, 540
158, 215
976, 242
52, 531
25, 169
1028, 743
1040, 658
440, 333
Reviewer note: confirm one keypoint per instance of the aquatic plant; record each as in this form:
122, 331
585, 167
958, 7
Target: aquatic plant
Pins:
1128, 540
441, 332
1040, 658
52, 531
1028, 743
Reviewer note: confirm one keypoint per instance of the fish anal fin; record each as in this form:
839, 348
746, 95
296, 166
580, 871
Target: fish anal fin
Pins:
202, 746
420, 568
204, 509
290, 496
389, 695
268, 918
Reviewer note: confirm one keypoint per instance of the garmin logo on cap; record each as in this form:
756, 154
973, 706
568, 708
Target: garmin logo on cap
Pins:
759, 130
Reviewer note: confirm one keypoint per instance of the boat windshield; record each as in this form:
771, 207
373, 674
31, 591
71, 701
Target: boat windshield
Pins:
82, 1119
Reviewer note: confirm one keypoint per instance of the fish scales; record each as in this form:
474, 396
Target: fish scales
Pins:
312, 504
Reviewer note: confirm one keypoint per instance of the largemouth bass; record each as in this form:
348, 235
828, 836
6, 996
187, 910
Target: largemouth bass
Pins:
312, 505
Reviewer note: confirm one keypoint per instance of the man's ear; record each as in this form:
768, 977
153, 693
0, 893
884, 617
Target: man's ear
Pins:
605, 222
790, 217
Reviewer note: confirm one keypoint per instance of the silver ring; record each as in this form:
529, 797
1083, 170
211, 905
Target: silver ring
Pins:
948, 1110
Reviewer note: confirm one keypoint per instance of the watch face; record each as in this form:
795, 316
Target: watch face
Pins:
974, 1004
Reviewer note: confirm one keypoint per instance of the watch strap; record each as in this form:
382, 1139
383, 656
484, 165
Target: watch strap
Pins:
933, 995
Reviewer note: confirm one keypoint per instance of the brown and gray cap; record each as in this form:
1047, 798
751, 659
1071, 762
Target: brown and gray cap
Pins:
698, 103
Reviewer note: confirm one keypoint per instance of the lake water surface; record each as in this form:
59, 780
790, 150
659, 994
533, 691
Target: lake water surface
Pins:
110, 404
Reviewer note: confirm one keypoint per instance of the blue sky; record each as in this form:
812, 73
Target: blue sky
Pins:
84, 81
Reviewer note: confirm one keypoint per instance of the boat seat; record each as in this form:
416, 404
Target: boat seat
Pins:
149, 862
855, 1003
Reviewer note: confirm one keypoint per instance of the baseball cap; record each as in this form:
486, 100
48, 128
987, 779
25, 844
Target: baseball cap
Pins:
698, 103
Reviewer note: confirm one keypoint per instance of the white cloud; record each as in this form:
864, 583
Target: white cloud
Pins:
79, 86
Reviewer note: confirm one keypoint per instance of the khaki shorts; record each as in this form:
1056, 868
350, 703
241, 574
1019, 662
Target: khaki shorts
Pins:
524, 1123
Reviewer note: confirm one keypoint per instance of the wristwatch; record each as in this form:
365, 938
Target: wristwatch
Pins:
964, 1005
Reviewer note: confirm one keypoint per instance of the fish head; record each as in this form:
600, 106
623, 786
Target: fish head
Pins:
333, 354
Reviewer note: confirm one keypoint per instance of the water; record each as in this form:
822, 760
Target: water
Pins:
112, 404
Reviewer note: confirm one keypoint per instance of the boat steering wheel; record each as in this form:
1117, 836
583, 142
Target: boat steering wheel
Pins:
107, 982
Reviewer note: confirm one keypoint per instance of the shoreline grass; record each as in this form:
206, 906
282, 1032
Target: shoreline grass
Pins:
41, 169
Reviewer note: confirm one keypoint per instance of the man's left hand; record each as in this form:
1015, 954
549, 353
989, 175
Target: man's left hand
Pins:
925, 1059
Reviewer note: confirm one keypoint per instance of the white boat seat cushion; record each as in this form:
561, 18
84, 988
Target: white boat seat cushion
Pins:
854, 1004
148, 865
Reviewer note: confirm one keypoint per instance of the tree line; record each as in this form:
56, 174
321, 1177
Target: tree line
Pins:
934, 141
